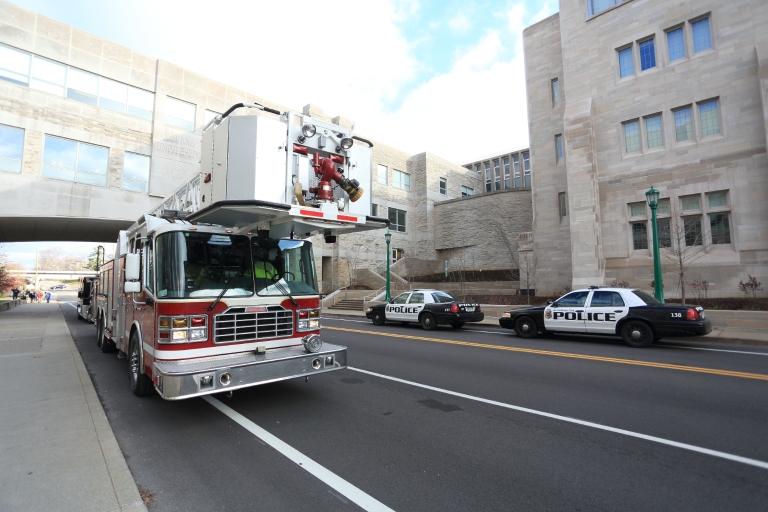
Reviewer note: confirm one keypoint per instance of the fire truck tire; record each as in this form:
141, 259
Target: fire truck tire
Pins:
99, 331
141, 385
457, 325
428, 322
105, 344
378, 318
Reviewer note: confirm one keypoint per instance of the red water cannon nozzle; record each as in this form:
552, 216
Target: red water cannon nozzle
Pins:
325, 170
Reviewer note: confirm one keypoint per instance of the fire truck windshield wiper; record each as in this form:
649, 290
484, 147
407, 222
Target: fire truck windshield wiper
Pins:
225, 290
284, 291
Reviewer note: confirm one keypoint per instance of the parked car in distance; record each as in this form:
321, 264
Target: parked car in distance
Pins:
58, 287
633, 314
430, 308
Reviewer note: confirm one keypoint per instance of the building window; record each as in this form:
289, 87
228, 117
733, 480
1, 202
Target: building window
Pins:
478, 169
555, 91
180, 114
496, 174
210, 115
647, 54
692, 229
374, 210
136, 172
11, 148
631, 136
443, 186
466, 191
637, 209
690, 203
653, 133
559, 147
381, 172
397, 254
83, 86
626, 63
717, 199
516, 167
718, 226
396, 220
65, 159
683, 124
675, 44
526, 170
487, 176
14, 65
401, 180
665, 236
639, 235
562, 201
702, 38
507, 180
710, 120
598, 6
663, 207
48, 76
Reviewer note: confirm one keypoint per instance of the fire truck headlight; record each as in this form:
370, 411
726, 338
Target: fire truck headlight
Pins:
197, 334
308, 130
303, 325
312, 342
314, 324
346, 143
179, 335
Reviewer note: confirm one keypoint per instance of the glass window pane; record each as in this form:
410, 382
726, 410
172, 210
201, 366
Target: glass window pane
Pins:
58, 173
180, 114
60, 152
647, 55
487, 176
717, 199
41, 85
663, 206
626, 64
675, 44
639, 235
637, 209
692, 229
683, 125
526, 162
653, 131
49, 71
477, 168
14, 65
559, 146
83, 81
632, 136
516, 168
382, 174
374, 210
135, 186
691, 202
141, 103
11, 148
93, 159
721, 231
597, 6
112, 95
406, 181
710, 122
665, 238
555, 90
91, 178
702, 39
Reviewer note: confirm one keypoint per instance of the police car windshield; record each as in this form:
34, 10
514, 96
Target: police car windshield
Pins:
648, 299
283, 265
443, 297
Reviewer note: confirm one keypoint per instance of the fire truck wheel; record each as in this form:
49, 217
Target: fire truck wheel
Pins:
378, 318
140, 383
106, 344
99, 331
428, 322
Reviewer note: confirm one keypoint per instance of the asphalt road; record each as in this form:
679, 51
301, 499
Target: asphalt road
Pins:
502, 424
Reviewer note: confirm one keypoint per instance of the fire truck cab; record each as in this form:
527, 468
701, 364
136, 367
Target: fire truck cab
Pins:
216, 289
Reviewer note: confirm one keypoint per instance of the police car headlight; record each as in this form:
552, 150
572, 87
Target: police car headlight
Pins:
369, 310
506, 315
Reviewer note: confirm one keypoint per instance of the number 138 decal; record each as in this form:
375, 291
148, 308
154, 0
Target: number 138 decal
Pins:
677, 315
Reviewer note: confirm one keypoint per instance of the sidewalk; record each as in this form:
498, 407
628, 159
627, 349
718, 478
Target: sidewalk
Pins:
724, 335
57, 449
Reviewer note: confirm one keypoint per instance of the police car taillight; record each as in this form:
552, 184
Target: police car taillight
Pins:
692, 314
454, 308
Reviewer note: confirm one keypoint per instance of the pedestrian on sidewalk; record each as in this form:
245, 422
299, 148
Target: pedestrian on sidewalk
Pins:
48, 297
39, 296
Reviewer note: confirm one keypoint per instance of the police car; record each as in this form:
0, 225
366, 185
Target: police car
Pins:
428, 307
633, 314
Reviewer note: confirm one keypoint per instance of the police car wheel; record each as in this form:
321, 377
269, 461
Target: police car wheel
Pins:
525, 327
428, 322
457, 325
637, 334
378, 318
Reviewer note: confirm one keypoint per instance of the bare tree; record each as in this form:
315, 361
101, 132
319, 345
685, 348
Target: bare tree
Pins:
354, 258
530, 272
683, 241
509, 238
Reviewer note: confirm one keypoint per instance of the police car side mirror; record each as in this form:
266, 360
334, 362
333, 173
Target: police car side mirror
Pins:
549, 301
555, 305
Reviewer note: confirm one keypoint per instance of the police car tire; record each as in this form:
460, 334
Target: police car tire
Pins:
637, 334
378, 318
457, 325
428, 322
526, 327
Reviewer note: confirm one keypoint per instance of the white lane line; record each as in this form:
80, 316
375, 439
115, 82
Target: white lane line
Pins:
718, 350
684, 446
337, 483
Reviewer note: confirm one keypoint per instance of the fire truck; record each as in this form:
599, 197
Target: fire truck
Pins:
215, 289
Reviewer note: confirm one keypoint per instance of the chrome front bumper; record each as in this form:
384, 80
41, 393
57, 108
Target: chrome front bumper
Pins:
176, 380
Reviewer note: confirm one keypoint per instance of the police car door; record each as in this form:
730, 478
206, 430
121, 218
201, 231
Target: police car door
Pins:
414, 307
605, 310
568, 315
394, 310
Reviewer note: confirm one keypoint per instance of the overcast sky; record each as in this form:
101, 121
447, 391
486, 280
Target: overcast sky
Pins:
443, 76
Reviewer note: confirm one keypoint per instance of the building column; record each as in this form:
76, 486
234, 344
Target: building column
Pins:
587, 259
762, 77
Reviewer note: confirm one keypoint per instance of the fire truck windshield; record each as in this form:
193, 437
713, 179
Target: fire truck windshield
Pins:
195, 264
282, 266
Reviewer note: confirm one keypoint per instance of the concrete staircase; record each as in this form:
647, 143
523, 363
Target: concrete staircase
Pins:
349, 304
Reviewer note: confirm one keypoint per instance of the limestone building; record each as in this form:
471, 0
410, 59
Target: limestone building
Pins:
94, 134
625, 95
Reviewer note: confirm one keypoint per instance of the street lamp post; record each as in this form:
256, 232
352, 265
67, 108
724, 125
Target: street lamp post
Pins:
388, 237
653, 201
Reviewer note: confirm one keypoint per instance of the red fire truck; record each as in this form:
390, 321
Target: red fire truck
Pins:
215, 289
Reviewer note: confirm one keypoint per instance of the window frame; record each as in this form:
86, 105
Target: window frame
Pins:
661, 130
21, 157
180, 125
667, 33
444, 186
400, 183
396, 225
692, 131
562, 201
507, 175
692, 23
149, 172
555, 89
75, 169
625, 140
718, 118
640, 43
630, 48
379, 169
639, 236
496, 174
467, 191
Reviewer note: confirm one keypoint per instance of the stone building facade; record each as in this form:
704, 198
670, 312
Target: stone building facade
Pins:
93, 135
625, 95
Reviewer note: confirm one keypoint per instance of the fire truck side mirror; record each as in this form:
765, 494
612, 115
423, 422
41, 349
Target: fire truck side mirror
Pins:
132, 287
132, 267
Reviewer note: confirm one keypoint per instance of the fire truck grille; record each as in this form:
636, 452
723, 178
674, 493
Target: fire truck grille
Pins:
236, 325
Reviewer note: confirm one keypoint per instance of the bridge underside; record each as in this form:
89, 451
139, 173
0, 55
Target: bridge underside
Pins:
64, 229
